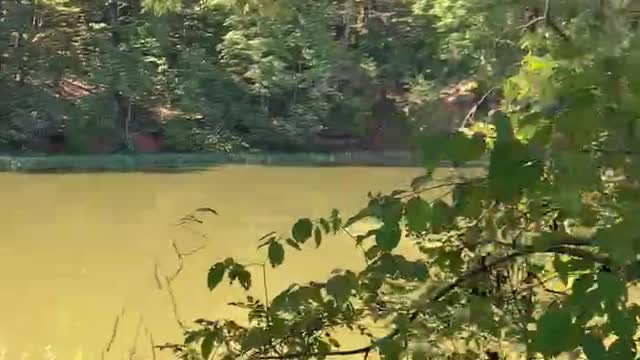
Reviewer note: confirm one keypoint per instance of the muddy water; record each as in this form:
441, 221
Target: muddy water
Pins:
78, 251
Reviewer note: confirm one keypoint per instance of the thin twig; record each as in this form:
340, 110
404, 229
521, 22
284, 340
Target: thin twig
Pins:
475, 107
114, 333
531, 23
156, 276
358, 243
133, 350
151, 342
181, 255
266, 293
174, 304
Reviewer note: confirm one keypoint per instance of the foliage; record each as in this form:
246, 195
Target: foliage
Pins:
535, 255
271, 74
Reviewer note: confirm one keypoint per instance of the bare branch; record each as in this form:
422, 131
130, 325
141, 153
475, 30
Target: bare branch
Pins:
531, 23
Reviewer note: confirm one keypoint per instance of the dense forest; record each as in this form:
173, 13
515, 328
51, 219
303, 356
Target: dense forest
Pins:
220, 75
534, 256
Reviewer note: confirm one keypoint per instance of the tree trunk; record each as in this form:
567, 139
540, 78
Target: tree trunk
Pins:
121, 102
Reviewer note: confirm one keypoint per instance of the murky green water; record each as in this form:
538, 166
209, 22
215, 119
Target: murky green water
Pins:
77, 249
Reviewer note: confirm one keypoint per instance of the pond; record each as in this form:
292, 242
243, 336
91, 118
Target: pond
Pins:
79, 251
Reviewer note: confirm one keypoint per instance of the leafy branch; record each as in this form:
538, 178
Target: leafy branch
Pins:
559, 248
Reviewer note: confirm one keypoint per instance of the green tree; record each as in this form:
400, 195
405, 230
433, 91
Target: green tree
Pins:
538, 250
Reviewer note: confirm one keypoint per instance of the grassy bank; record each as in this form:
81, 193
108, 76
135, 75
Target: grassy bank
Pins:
138, 162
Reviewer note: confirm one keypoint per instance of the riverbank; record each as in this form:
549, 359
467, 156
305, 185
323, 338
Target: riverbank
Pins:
181, 161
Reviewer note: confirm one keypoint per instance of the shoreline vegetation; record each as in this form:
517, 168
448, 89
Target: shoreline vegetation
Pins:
195, 161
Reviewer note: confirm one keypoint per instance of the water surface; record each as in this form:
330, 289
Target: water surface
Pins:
78, 249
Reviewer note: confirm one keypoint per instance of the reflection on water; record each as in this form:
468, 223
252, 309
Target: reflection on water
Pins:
78, 251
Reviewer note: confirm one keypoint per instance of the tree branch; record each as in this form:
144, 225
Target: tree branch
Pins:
546, 17
475, 107
559, 248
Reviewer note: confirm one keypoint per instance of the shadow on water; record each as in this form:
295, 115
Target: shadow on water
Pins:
190, 163
154, 170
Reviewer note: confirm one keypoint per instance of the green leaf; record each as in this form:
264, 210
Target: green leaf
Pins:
417, 212
301, 230
238, 272
388, 237
441, 216
326, 227
549, 326
206, 347
504, 129
390, 349
481, 313
467, 200
622, 349
462, 148
431, 150
336, 221
511, 170
621, 324
561, 268
340, 286
362, 214
611, 287
317, 235
276, 254
293, 244
362, 237
392, 210
267, 242
216, 273
593, 347
419, 355
255, 339
244, 277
